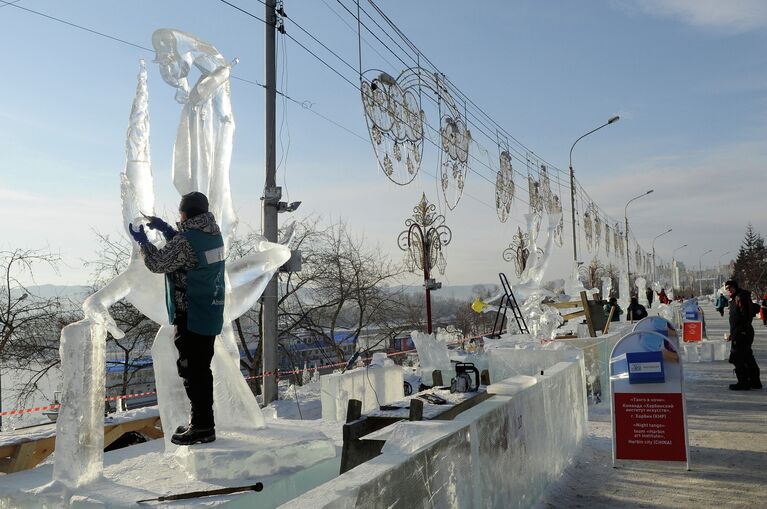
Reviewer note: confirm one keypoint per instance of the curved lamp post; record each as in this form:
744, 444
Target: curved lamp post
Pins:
628, 250
423, 240
611, 120
654, 278
700, 272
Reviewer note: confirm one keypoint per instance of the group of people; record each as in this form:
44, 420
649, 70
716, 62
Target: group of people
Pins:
635, 311
742, 311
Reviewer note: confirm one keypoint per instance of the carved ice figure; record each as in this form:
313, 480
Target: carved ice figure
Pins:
539, 318
202, 154
641, 284
624, 291
607, 287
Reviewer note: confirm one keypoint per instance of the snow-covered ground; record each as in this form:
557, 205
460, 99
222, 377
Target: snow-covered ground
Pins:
728, 449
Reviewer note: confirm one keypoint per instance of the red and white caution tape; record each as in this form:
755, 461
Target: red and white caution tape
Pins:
276, 374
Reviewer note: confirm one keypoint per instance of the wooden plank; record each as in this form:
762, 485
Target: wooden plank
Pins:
44, 449
576, 314
21, 459
153, 432
564, 305
587, 311
609, 319
114, 433
7, 450
451, 413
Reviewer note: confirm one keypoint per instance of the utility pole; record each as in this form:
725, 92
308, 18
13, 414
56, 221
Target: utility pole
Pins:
270, 203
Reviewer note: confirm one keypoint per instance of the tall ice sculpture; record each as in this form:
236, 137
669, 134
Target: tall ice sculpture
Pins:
201, 159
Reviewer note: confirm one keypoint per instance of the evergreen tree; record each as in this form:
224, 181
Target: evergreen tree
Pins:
749, 269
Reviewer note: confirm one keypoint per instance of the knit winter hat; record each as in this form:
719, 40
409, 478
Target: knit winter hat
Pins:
193, 204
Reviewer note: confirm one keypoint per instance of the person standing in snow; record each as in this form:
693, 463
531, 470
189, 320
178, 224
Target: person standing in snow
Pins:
193, 263
650, 294
662, 297
742, 337
636, 311
613, 303
721, 303
763, 310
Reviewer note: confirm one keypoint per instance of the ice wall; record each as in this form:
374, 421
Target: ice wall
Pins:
501, 453
506, 362
374, 385
432, 355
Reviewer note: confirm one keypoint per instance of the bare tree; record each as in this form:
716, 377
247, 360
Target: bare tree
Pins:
29, 323
343, 290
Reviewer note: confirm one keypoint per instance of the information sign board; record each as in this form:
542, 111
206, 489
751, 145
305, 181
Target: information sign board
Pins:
648, 407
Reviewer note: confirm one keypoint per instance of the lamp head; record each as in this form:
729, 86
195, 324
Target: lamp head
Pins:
650, 191
613, 119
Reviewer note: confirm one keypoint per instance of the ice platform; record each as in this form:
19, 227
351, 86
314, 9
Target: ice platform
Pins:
288, 458
254, 454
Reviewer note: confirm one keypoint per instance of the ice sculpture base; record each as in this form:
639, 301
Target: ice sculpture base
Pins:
289, 458
254, 454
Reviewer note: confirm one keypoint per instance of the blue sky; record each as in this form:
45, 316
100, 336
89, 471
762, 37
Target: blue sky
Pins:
687, 77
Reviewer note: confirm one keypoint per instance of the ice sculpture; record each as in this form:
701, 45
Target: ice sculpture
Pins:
624, 291
641, 284
201, 158
432, 354
541, 319
607, 287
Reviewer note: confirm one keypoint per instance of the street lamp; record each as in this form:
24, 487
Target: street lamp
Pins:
674, 278
654, 278
423, 240
610, 120
718, 269
700, 271
628, 251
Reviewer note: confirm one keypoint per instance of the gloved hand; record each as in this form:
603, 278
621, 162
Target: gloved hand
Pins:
138, 235
156, 223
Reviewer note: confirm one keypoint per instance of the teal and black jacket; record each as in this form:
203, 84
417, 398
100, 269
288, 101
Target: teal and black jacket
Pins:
193, 264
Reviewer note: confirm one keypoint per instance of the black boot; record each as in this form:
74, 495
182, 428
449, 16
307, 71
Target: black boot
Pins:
182, 429
741, 373
194, 435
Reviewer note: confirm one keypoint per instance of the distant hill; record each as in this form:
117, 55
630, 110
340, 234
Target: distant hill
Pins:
457, 292
73, 292
78, 293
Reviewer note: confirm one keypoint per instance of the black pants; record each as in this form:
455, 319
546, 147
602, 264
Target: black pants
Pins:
195, 353
742, 357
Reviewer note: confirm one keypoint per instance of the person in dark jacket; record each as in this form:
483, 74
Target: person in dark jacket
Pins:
193, 263
721, 303
618, 311
650, 294
763, 310
742, 337
635, 311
